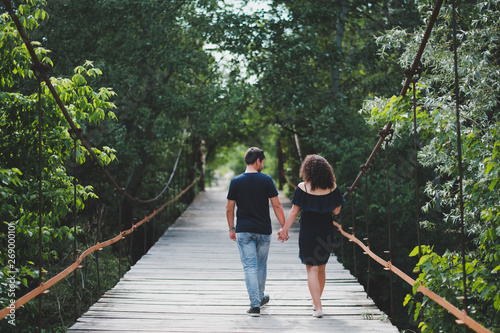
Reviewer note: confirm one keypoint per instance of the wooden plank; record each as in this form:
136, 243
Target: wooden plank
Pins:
192, 281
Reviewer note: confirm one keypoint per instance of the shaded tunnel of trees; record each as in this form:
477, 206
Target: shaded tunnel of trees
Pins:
150, 80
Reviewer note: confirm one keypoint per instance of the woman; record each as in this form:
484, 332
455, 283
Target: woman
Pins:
317, 196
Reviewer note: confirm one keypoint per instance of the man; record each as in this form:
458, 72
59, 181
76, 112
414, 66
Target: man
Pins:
251, 192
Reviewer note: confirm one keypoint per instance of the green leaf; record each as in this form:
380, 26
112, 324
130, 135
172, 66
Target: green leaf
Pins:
493, 184
415, 251
415, 287
489, 166
79, 80
407, 299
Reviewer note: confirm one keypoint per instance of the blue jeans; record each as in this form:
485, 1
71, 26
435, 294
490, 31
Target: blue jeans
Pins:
254, 249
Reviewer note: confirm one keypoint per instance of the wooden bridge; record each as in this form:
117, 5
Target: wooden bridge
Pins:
192, 281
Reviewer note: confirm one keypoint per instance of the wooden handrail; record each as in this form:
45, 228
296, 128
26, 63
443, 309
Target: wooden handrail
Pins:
46, 285
461, 315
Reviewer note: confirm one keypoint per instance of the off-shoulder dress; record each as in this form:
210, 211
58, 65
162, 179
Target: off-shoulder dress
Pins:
316, 236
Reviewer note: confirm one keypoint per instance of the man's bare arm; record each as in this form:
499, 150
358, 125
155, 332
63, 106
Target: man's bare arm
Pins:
278, 210
230, 218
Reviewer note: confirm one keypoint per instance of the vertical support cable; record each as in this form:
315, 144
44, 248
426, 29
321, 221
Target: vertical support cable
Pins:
459, 157
99, 211
354, 234
120, 202
166, 213
188, 172
367, 234
184, 169
389, 252
414, 80
341, 239
75, 250
40, 203
131, 244
415, 147
154, 231
145, 247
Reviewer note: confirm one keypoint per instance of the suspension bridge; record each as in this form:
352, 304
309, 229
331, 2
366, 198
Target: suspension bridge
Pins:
192, 280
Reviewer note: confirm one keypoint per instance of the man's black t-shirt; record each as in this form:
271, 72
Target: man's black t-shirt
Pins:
252, 191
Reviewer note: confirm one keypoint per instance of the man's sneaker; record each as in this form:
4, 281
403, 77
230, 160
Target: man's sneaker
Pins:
254, 312
265, 300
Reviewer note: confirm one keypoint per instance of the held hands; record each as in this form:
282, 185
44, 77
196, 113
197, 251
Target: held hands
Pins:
283, 235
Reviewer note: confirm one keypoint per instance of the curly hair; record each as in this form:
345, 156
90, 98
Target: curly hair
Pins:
316, 170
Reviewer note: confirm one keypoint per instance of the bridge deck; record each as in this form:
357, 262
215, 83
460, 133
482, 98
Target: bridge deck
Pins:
192, 281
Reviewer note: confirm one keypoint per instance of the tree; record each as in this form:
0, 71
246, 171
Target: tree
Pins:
169, 87
313, 64
478, 69
20, 172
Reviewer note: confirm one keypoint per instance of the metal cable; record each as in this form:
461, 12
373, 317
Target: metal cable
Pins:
462, 316
353, 231
459, 158
415, 155
49, 283
40, 203
367, 239
389, 226
414, 66
415, 149
75, 253
169, 179
42, 69
99, 215
120, 203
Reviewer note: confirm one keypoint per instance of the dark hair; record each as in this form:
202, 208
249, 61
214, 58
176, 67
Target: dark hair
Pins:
316, 170
253, 154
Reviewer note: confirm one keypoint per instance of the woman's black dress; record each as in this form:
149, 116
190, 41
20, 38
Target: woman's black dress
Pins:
316, 237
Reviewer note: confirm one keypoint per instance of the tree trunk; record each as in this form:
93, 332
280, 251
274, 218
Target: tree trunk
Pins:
281, 165
339, 37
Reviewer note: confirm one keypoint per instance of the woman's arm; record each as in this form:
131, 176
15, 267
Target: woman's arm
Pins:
292, 216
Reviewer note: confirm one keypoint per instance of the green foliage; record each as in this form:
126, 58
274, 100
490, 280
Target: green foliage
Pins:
19, 162
478, 69
170, 89
309, 68
170, 92
444, 273
313, 65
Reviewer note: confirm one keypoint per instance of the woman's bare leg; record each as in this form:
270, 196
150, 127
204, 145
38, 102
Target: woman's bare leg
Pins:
322, 278
316, 283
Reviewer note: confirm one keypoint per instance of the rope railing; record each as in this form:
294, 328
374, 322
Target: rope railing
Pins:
97, 247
